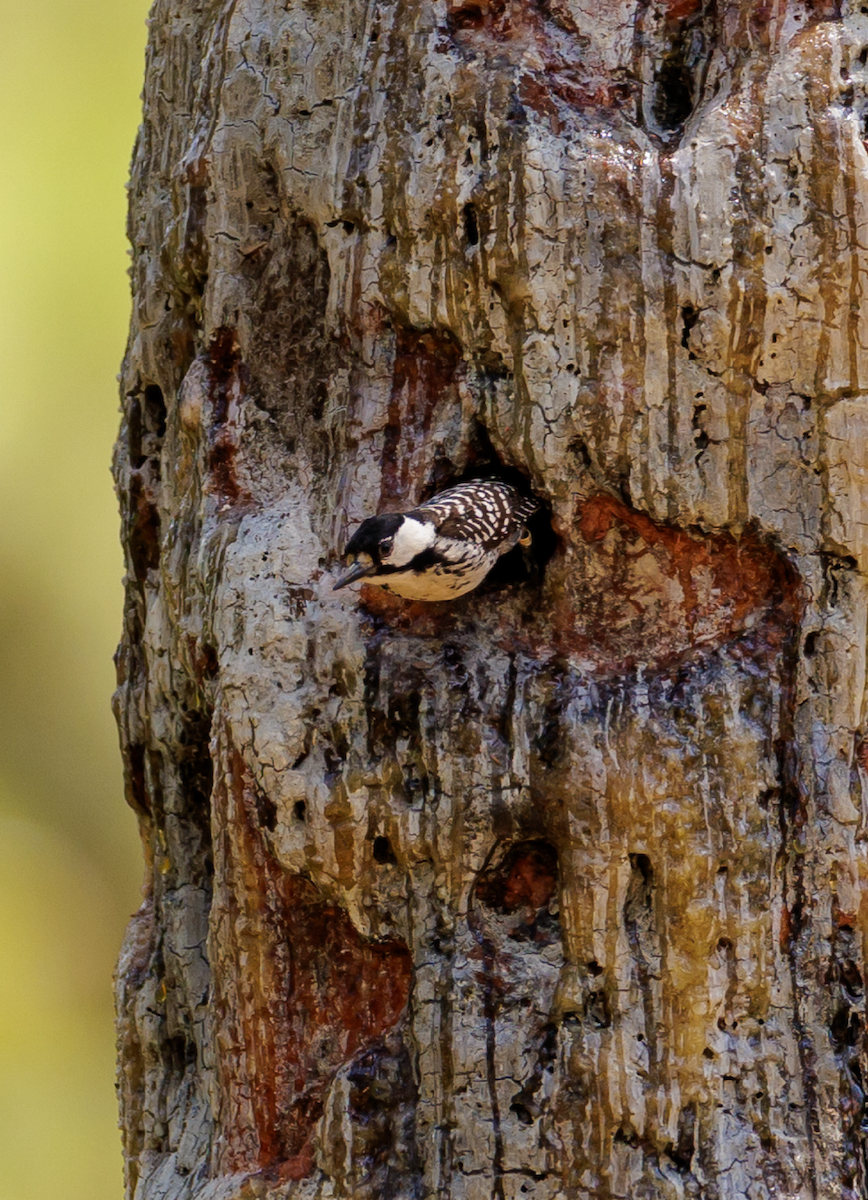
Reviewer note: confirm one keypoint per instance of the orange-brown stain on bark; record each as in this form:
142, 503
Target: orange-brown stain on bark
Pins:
530, 882
679, 10
740, 570
644, 592
423, 375
227, 373
419, 617
505, 29
298, 989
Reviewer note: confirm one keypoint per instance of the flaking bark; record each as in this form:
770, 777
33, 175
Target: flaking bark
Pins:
557, 891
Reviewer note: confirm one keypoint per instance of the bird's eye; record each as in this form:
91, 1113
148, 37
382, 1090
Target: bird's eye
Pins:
386, 547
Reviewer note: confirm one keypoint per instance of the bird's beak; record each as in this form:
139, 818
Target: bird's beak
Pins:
357, 571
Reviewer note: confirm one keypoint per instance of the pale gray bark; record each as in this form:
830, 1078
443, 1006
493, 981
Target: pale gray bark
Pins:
555, 892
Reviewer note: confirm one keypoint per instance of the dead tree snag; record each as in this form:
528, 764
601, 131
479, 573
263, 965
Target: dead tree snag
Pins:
557, 891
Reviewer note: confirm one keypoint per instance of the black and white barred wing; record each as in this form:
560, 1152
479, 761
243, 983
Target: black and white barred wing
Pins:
489, 515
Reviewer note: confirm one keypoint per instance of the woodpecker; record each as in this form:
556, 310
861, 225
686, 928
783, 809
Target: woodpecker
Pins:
443, 548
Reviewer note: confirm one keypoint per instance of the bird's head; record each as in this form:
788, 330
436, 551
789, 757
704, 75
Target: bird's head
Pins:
384, 546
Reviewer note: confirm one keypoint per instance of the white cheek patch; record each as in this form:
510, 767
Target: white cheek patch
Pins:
411, 539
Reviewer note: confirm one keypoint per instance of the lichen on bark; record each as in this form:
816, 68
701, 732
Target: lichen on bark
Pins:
556, 891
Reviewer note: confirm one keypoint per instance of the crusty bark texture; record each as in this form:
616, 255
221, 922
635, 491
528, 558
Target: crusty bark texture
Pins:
557, 891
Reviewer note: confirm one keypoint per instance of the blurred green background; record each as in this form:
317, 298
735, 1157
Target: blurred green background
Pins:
70, 870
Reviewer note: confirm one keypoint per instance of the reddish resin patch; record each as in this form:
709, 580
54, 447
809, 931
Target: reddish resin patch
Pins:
227, 375
503, 30
423, 379
530, 881
679, 10
517, 894
298, 992
637, 591
419, 617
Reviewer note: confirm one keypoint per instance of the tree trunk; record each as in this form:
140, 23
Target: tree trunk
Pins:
556, 891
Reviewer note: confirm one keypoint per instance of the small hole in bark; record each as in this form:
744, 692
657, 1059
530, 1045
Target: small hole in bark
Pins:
154, 414
266, 811
689, 317
863, 56
641, 863
523, 1114
144, 535
471, 226
625, 1137
845, 1027
579, 449
383, 852
468, 17
851, 977
595, 969
179, 1054
299, 810
597, 1010
708, 1053
724, 943
681, 1152
673, 98
811, 640
137, 787
134, 433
